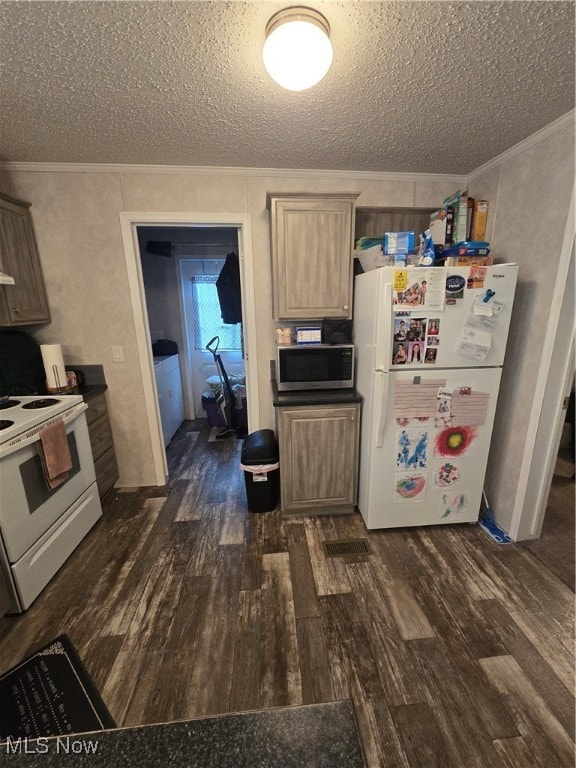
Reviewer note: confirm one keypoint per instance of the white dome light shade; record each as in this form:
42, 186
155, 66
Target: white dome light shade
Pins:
297, 52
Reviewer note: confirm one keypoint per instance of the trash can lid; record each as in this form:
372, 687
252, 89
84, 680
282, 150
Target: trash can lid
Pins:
260, 448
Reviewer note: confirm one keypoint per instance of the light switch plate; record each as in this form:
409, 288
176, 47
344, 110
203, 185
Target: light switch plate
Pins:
118, 354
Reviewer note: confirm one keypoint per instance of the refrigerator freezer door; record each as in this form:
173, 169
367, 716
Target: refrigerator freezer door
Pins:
469, 332
429, 468
372, 323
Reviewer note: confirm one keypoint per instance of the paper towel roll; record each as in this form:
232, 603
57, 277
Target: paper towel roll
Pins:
53, 365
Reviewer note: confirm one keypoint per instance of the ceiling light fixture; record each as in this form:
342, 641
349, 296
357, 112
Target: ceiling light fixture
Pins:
297, 52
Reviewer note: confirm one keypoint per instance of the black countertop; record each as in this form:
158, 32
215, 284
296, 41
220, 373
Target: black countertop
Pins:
313, 397
311, 736
89, 391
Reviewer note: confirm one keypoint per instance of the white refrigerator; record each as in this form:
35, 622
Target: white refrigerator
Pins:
430, 346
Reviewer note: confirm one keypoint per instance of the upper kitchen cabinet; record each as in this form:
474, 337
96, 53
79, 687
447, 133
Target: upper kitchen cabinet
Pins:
25, 302
312, 243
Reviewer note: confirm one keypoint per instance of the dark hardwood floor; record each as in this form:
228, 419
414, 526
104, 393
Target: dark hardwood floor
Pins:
555, 546
455, 651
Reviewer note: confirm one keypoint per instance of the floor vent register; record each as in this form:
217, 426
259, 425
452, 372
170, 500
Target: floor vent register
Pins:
341, 547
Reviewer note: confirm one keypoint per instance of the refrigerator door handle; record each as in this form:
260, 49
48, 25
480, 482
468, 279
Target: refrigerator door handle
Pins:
383, 352
381, 401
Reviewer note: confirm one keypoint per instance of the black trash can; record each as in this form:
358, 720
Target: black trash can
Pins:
260, 462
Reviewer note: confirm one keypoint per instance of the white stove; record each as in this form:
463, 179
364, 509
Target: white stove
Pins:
40, 526
24, 415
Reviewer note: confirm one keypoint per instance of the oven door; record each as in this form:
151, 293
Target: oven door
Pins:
28, 507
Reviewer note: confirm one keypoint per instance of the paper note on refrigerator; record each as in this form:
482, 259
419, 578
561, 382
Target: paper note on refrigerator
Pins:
469, 408
416, 401
484, 316
474, 344
419, 288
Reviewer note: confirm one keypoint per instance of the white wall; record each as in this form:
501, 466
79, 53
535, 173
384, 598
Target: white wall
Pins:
529, 193
76, 218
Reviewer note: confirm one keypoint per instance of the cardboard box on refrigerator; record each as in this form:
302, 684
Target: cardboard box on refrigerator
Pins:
480, 217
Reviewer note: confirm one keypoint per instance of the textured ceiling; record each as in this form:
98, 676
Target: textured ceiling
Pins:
431, 87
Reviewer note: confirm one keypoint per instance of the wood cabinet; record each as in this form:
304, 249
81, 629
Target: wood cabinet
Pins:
25, 302
170, 397
312, 244
102, 443
318, 457
5, 597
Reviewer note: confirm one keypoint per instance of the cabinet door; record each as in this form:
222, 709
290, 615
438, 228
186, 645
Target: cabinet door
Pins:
24, 302
311, 240
318, 457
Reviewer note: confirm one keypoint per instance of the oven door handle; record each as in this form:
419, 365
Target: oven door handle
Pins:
33, 435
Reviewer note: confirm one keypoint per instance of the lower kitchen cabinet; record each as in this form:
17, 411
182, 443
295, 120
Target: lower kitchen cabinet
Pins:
102, 443
318, 457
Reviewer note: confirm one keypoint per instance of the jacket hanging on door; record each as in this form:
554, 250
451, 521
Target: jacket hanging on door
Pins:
228, 287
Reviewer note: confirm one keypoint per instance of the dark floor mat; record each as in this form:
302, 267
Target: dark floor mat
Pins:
50, 694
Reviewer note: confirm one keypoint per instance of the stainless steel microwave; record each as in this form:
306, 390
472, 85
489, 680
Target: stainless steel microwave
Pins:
318, 366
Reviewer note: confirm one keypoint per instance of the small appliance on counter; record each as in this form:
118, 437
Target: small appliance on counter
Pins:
315, 366
310, 334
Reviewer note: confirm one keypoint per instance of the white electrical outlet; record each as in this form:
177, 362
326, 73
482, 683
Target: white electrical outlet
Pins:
118, 354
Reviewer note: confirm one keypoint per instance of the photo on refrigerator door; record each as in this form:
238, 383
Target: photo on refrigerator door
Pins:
415, 352
401, 325
400, 353
412, 449
409, 487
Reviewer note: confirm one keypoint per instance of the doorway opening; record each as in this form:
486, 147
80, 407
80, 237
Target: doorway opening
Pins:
191, 278
203, 235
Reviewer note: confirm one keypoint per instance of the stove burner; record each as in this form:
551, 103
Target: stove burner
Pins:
9, 404
42, 403
5, 423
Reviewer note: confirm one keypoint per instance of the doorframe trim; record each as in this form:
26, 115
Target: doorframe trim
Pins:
129, 221
527, 511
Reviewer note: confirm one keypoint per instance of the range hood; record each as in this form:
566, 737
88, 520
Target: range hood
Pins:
6, 279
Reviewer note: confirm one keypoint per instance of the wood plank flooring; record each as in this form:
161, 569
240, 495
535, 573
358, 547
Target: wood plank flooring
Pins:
556, 545
455, 651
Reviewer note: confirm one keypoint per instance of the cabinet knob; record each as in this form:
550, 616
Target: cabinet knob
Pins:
345, 307
16, 310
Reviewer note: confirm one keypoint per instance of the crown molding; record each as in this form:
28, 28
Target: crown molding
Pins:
37, 167
562, 122
40, 167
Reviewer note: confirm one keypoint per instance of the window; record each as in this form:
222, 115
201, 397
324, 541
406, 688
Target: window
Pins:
208, 319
